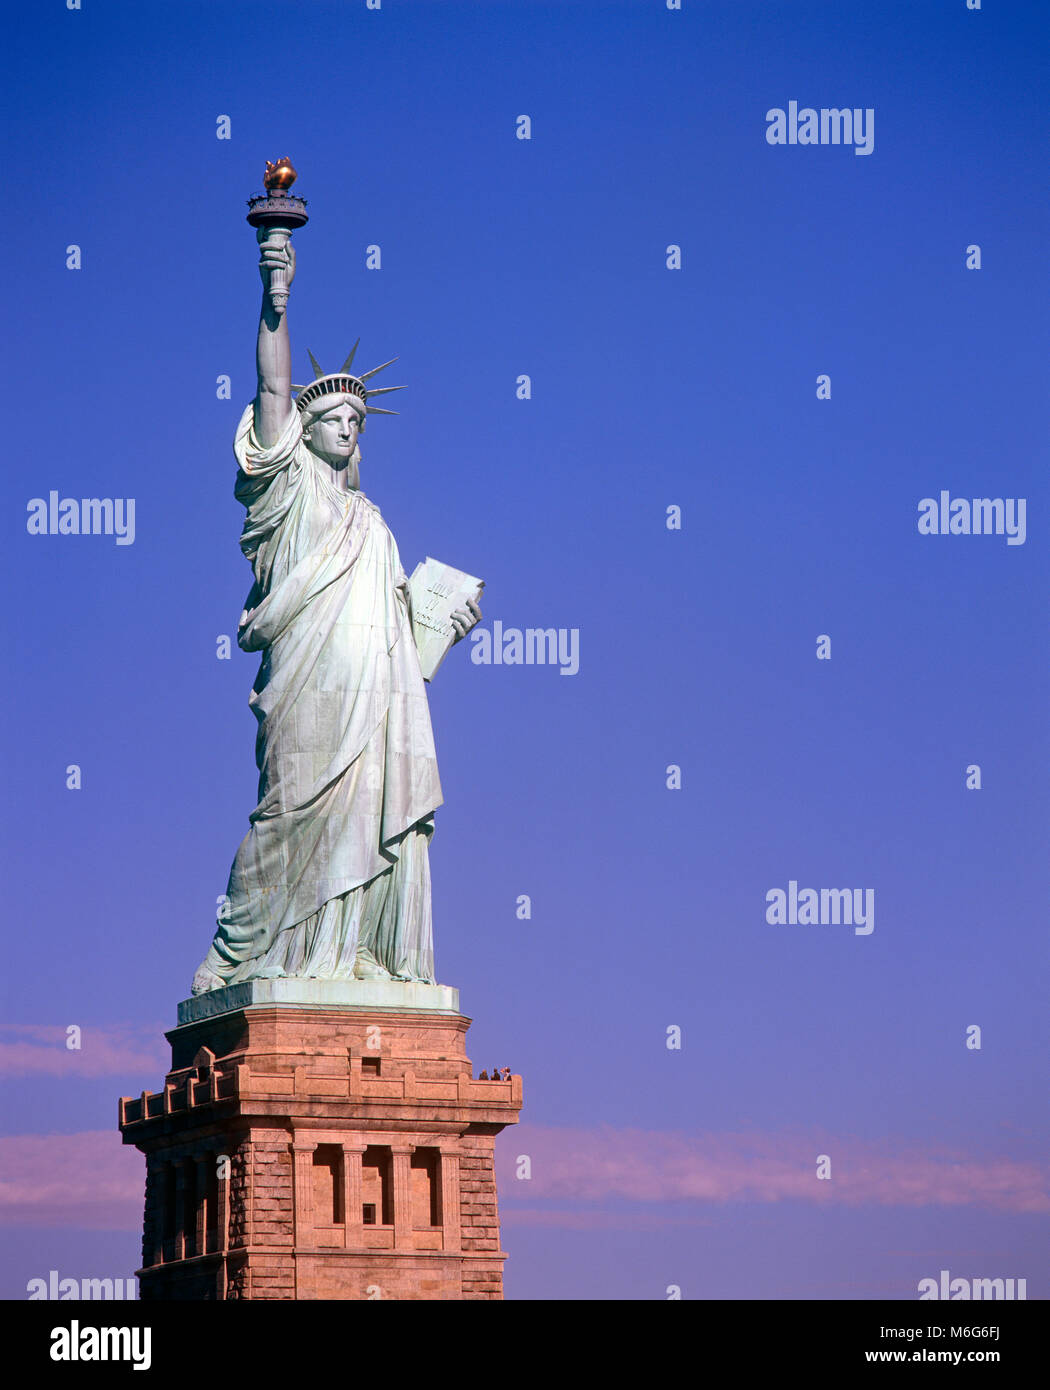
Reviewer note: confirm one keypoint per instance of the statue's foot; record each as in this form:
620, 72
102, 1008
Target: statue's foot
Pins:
206, 980
366, 967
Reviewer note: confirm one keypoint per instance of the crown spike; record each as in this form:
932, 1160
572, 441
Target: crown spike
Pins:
315, 364
378, 410
365, 375
383, 390
350, 360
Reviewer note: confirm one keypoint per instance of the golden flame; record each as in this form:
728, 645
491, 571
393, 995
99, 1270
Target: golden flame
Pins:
279, 177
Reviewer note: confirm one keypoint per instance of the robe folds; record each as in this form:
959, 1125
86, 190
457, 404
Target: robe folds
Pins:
335, 863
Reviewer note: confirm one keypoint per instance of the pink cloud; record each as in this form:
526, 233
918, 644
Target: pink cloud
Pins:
590, 1220
653, 1166
115, 1050
87, 1180
90, 1180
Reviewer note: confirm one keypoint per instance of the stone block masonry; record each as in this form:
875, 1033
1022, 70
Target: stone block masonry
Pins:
321, 1152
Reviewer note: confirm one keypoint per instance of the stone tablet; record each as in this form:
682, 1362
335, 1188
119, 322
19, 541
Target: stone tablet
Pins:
437, 591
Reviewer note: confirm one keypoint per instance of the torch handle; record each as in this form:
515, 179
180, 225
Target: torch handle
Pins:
278, 238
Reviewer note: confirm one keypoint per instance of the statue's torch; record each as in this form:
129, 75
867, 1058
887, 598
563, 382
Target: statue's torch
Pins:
275, 214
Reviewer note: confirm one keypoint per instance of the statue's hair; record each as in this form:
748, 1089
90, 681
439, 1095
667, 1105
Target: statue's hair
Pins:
320, 405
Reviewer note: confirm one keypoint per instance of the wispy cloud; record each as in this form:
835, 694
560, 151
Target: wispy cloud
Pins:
28, 1049
87, 1180
589, 1219
644, 1166
90, 1180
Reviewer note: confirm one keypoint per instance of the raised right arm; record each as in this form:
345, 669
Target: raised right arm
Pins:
273, 358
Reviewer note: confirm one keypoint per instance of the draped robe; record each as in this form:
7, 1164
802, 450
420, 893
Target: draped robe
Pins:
334, 868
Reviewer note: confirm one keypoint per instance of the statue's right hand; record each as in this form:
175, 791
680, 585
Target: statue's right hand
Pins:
277, 254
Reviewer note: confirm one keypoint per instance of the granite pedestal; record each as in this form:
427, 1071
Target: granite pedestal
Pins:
320, 1140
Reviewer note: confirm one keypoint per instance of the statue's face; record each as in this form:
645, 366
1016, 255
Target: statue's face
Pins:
333, 435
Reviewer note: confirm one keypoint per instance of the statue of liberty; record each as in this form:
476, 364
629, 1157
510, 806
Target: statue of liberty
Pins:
332, 881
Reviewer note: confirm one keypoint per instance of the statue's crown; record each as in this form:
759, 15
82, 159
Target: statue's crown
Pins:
343, 382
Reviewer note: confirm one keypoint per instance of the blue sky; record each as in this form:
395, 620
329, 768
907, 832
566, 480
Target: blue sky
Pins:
650, 387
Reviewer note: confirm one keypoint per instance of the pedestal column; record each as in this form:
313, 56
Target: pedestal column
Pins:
200, 1202
180, 1211
449, 1198
302, 1169
402, 1179
352, 1196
